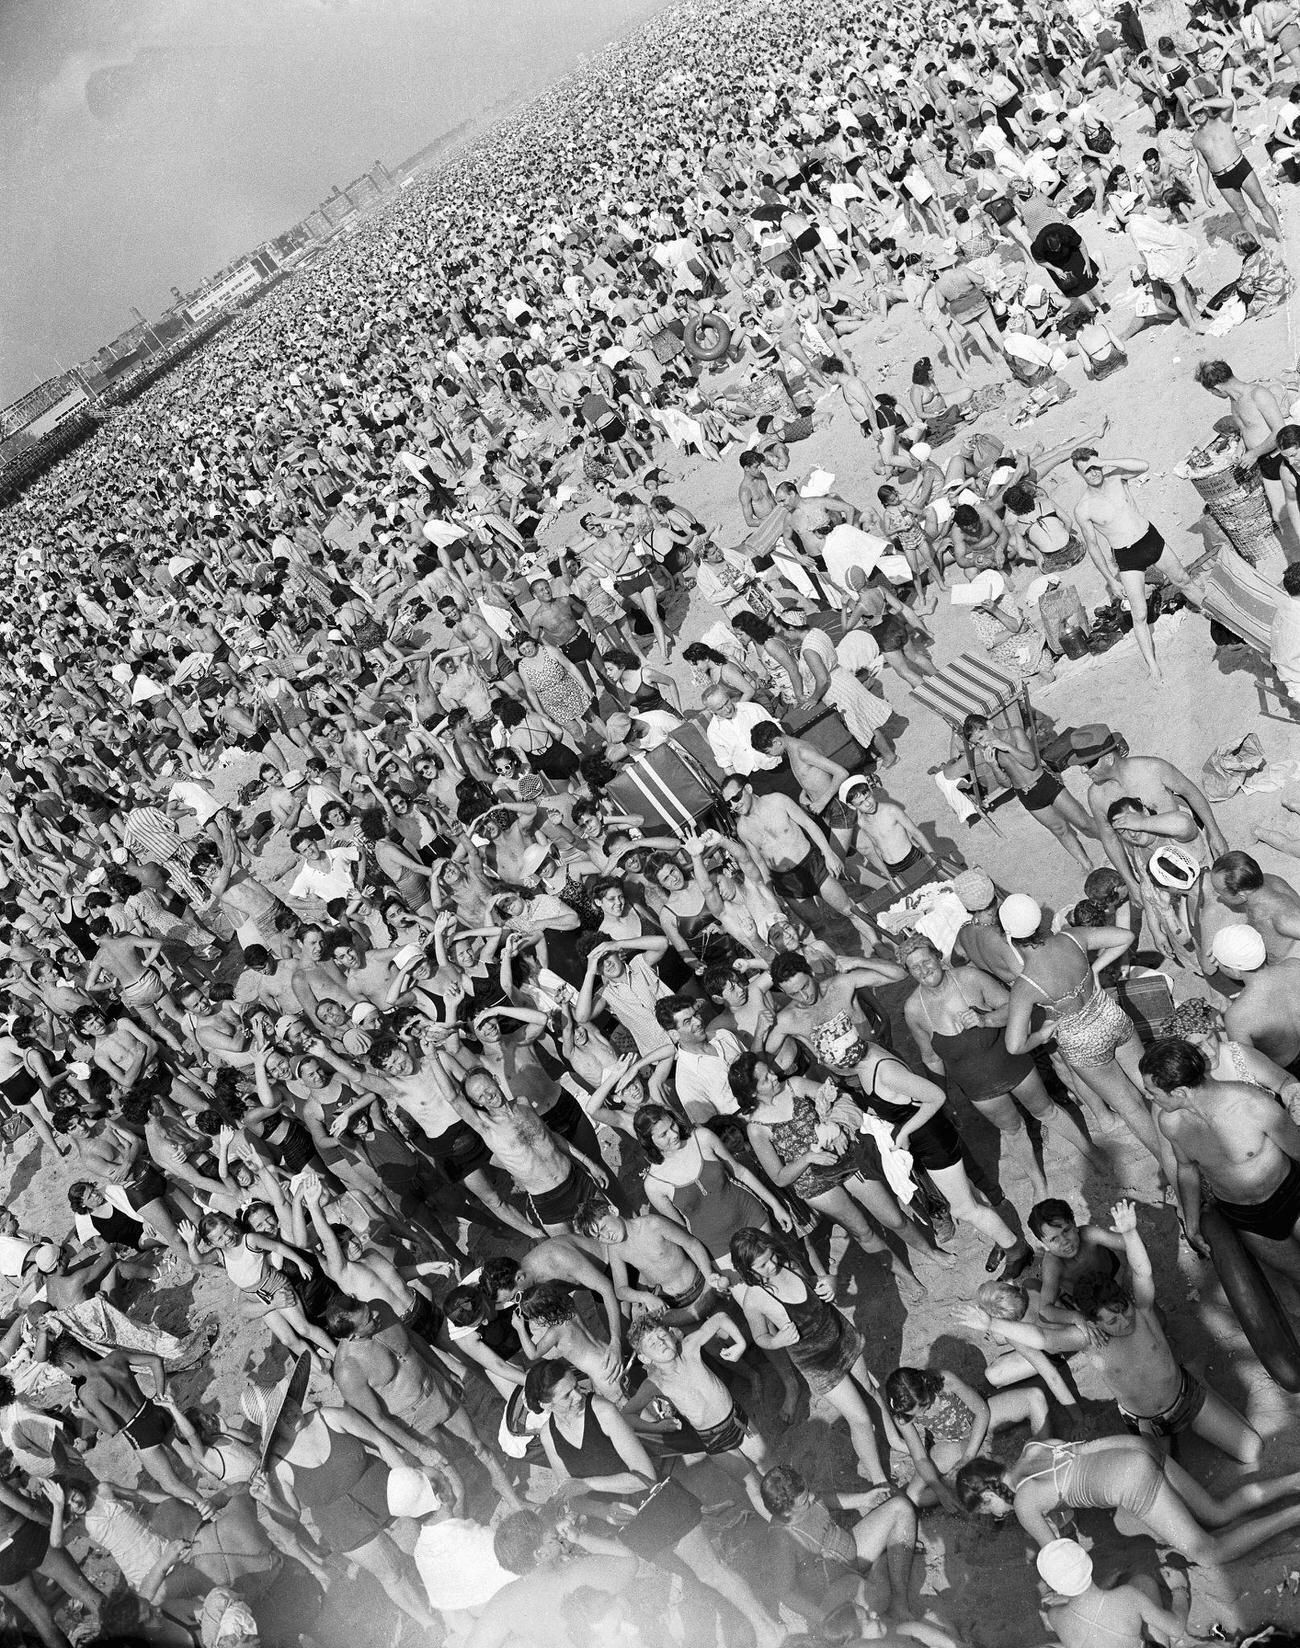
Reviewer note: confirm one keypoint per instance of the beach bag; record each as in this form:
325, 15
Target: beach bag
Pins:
1227, 768
1059, 611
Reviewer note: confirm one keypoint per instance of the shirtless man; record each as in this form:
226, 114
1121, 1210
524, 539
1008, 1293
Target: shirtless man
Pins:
1219, 156
1155, 782
1156, 1396
112, 1399
825, 1014
819, 778
129, 960
677, 1276
556, 618
1258, 418
556, 1259
383, 1372
1266, 1014
756, 498
1081, 1613
121, 1050
554, 1176
882, 833
793, 848
421, 1093
1122, 543
712, 1421
1269, 904
1040, 792
1240, 1141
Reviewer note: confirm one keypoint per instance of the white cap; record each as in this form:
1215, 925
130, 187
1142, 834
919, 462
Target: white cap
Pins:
1239, 947
1066, 1567
1020, 915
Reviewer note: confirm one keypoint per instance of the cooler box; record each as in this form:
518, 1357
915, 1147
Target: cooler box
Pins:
673, 787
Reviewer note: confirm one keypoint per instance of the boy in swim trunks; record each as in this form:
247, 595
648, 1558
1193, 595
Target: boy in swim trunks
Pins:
712, 1421
1157, 1397
111, 1398
1040, 792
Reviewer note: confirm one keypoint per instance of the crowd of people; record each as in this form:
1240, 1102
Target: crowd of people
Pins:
415, 947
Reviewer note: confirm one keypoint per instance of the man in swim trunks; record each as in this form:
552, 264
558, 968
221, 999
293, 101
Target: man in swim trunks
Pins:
1157, 1397
793, 848
827, 1015
677, 1276
130, 961
1258, 418
1240, 1141
386, 1375
1040, 792
1123, 544
1219, 156
881, 831
712, 1421
111, 1398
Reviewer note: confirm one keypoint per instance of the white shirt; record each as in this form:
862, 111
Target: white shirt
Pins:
700, 1075
729, 739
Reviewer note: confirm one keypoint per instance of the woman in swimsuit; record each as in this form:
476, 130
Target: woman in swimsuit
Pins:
944, 1423
599, 1458
803, 1144
694, 1180
1201, 1023
1094, 1035
958, 1020
915, 1110
26, 1081
687, 909
788, 1309
25, 1552
1130, 1476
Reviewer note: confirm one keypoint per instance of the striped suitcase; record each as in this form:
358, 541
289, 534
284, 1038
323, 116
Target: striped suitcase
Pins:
674, 786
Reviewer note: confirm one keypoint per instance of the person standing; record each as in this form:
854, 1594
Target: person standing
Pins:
1121, 539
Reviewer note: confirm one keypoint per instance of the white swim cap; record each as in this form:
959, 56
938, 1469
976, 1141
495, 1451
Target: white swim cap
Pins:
1066, 1567
1020, 915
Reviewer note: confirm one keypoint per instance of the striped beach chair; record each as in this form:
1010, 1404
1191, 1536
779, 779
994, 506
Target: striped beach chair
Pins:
974, 686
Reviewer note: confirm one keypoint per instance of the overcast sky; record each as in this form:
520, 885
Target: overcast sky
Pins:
147, 142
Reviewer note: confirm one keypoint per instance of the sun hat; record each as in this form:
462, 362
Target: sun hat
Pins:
1171, 867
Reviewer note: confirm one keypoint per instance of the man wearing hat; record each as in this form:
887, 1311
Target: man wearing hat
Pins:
1082, 1614
1266, 1014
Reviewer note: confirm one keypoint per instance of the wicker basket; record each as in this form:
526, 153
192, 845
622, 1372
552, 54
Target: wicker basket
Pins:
1237, 503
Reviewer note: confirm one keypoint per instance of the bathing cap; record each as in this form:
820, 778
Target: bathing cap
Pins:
1020, 916
1239, 947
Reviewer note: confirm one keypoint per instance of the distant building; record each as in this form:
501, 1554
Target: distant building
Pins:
228, 289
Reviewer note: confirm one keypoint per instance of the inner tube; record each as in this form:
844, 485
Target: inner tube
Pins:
1253, 1301
708, 337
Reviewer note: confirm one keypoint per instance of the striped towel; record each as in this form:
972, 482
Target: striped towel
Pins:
968, 686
